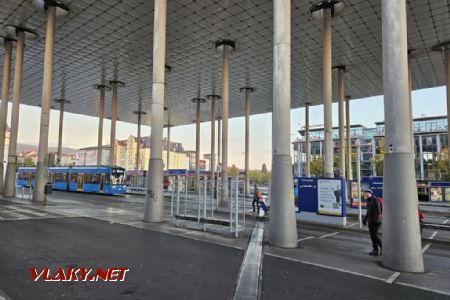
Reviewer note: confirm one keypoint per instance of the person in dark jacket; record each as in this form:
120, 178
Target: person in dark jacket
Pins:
373, 218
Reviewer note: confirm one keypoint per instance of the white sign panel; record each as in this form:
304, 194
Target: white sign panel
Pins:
329, 196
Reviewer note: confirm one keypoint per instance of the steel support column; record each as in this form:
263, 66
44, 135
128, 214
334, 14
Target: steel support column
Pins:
307, 141
198, 101
227, 46
402, 249
62, 101
10, 179
327, 95
139, 114
101, 113
154, 205
447, 81
247, 91
212, 167
348, 139
283, 225
342, 157
115, 84
4, 106
41, 169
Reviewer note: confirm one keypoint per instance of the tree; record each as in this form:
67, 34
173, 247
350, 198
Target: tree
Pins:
317, 167
264, 168
233, 171
441, 169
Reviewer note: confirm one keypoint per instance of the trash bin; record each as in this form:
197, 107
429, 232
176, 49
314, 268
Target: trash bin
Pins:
48, 188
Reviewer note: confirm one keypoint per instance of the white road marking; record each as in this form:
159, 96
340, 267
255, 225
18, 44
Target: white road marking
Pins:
28, 211
423, 288
433, 235
306, 238
326, 235
425, 248
445, 222
326, 267
393, 277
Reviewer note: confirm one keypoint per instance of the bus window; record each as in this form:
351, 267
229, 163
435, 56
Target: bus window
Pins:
60, 177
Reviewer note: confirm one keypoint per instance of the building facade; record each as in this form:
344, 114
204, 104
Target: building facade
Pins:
430, 139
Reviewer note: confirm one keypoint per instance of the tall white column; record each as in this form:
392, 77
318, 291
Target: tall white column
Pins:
62, 101
198, 101
227, 46
41, 168
154, 205
247, 91
101, 113
307, 141
115, 84
348, 142
402, 247
327, 95
447, 84
4, 106
168, 147
219, 139
342, 157
212, 168
283, 225
139, 114
10, 179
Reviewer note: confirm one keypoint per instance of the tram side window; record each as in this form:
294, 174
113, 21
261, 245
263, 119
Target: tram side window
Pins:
107, 178
23, 176
60, 177
73, 177
91, 178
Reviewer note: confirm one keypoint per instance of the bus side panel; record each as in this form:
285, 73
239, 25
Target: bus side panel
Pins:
60, 186
73, 187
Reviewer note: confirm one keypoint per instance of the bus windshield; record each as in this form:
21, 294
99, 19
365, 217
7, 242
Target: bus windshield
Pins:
118, 176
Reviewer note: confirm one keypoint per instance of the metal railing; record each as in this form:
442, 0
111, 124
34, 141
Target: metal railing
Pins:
203, 207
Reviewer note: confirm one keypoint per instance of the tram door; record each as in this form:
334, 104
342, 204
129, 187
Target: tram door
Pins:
80, 182
102, 183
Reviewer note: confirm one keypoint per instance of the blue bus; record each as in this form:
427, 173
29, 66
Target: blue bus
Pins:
85, 179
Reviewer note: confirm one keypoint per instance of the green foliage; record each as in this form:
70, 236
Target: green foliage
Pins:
264, 168
233, 171
28, 162
259, 177
318, 167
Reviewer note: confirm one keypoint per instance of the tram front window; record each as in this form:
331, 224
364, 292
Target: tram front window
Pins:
118, 176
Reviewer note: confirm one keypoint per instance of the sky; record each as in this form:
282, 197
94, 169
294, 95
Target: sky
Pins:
81, 131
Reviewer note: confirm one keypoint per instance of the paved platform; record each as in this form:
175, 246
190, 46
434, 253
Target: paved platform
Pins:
169, 262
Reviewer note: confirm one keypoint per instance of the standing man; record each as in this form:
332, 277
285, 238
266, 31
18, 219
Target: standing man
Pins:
373, 216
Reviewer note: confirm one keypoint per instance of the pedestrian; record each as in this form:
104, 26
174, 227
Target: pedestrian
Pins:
373, 218
255, 199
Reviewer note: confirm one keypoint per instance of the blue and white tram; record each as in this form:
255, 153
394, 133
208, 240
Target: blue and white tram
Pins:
102, 180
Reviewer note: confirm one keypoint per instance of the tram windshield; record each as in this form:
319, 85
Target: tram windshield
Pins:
118, 176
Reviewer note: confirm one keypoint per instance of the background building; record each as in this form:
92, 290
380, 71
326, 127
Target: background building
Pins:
431, 148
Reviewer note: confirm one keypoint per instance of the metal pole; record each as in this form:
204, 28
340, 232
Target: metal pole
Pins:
101, 113
283, 225
402, 249
41, 169
138, 146
154, 205
213, 144
421, 157
225, 104
112, 151
247, 90
4, 106
60, 131
341, 71
197, 142
358, 179
447, 80
168, 147
348, 142
10, 179
307, 141
327, 94
219, 148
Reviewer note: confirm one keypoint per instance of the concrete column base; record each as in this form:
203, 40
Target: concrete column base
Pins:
38, 192
283, 225
402, 246
154, 205
10, 180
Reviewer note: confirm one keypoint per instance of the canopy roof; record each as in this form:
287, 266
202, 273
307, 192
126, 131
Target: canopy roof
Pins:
100, 36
